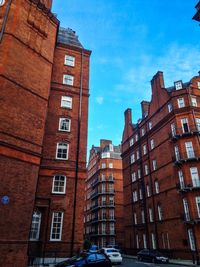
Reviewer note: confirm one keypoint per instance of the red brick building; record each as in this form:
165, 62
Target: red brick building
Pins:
44, 73
104, 196
161, 169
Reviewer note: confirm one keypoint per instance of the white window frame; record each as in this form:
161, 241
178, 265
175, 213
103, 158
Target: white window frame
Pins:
153, 240
135, 196
137, 241
135, 217
61, 184
185, 125
157, 188
132, 158
131, 142
194, 101
197, 120
133, 177
148, 190
69, 61
178, 85
160, 213
68, 79
144, 149
144, 241
152, 144
35, 225
56, 221
143, 132
195, 176
103, 165
140, 193
186, 209
150, 215
197, 198
181, 179
154, 164
137, 154
64, 122
139, 174
110, 165
198, 85
181, 102
177, 154
189, 149
150, 125
173, 129
136, 137
66, 102
60, 146
146, 168
142, 216
170, 108
191, 240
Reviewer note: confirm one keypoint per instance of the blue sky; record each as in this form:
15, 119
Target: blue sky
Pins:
130, 41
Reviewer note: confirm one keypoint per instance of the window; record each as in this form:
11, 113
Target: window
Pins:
111, 214
191, 240
111, 200
185, 126
103, 165
198, 124
150, 125
173, 129
131, 142
143, 131
146, 168
56, 226
135, 217
135, 196
148, 190
186, 209
144, 149
142, 216
137, 154
198, 85
154, 165
198, 205
150, 215
195, 177
144, 241
139, 174
152, 144
169, 107
103, 228
189, 149
112, 228
69, 61
133, 176
178, 85
132, 158
66, 102
181, 179
160, 214
104, 201
103, 188
136, 137
181, 102
140, 193
64, 124
137, 241
110, 165
157, 189
68, 79
59, 184
62, 151
153, 240
177, 155
194, 101
35, 226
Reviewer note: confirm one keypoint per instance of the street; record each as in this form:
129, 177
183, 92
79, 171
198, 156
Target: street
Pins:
134, 262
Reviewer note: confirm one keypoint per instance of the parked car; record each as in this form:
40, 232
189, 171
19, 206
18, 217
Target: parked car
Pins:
151, 255
87, 260
113, 254
114, 246
93, 249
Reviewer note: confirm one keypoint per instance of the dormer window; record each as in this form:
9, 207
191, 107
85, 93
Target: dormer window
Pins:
178, 85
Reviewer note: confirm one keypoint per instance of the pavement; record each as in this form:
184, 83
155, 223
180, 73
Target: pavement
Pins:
172, 261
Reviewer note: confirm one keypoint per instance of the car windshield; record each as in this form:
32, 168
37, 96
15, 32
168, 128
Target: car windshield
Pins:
111, 250
156, 253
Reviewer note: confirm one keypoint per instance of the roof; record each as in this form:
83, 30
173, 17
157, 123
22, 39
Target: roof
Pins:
69, 37
172, 88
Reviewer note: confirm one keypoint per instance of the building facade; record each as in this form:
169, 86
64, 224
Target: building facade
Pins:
197, 15
161, 167
44, 74
104, 196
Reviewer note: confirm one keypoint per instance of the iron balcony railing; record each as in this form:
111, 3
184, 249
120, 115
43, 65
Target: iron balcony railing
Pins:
184, 132
190, 155
182, 187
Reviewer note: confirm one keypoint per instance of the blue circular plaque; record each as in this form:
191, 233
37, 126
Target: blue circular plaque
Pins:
5, 200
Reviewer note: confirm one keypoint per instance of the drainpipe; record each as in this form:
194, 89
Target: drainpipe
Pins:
77, 155
5, 20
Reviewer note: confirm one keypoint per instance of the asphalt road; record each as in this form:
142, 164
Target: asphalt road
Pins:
135, 263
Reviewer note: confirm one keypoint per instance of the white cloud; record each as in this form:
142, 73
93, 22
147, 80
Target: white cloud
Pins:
99, 100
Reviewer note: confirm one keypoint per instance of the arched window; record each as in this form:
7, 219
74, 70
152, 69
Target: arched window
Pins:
35, 226
62, 151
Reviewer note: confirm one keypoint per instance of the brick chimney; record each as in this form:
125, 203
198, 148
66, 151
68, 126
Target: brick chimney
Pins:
128, 116
145, 108
104, 142
158, 80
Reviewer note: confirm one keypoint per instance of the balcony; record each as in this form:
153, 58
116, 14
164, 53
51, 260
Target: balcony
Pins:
188, 156
103, 233
181, 187
102, 192
186, 218
188, 131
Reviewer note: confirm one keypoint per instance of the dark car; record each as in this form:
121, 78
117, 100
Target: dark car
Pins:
93, 249
87, 260
152, 256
